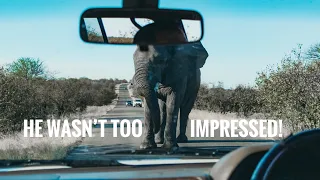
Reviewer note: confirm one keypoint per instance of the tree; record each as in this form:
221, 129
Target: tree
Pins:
27, 68
291, 91
245, 100
314, 52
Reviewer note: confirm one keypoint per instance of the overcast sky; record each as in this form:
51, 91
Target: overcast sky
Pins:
242, 37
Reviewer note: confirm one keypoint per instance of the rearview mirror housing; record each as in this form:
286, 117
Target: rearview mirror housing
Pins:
140, 26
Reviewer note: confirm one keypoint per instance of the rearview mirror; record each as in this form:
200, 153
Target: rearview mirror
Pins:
120, 26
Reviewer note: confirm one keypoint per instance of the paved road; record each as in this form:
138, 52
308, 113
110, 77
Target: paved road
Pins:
108, 142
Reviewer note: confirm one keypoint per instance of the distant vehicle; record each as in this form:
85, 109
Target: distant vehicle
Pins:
128, 103
137, 103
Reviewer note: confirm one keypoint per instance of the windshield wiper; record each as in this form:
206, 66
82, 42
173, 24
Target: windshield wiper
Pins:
190, 151
103, 159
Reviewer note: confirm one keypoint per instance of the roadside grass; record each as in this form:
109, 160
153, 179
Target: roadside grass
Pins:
18, 147
93, 112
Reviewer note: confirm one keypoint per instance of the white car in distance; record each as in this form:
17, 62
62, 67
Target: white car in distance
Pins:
137, 103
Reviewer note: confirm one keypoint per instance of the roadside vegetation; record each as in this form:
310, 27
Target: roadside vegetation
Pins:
289, 91
29, 91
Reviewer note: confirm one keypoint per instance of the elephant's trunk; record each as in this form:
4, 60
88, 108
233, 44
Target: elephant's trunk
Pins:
153, 106
144, 85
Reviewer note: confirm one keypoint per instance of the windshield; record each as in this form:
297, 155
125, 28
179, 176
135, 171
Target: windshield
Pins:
259, 61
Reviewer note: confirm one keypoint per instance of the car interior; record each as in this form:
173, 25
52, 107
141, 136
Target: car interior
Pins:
295, 157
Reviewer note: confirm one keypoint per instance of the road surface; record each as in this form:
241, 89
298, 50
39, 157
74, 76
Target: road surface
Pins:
100, 144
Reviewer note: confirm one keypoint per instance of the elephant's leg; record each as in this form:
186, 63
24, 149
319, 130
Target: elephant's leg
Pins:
160, 135
187, 105
148, 140
185, 110
172, 109
172, 106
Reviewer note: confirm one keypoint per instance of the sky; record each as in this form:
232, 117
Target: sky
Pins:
241, 37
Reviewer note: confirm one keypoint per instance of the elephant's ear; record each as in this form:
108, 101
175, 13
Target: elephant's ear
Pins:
196, 52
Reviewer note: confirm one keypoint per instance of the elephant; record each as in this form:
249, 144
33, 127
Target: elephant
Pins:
168, 78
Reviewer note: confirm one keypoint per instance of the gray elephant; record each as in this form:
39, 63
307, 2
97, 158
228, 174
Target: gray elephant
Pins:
168, 77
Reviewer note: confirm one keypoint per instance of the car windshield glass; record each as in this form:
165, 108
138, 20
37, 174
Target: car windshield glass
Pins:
253, 78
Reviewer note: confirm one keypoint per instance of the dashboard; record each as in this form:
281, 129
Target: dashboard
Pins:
194, 171
239, 164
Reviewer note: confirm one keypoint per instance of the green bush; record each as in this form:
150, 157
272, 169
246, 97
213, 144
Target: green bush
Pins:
291, 91
28, 94
242, 100
245, 100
